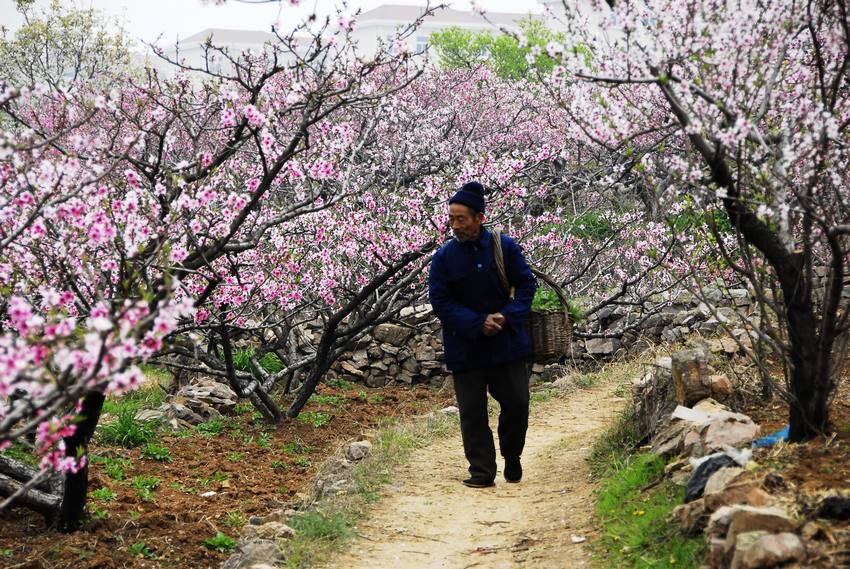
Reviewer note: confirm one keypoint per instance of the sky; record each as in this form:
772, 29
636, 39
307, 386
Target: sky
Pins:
163, 21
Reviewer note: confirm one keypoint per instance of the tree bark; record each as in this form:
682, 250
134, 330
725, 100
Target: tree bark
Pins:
77, 484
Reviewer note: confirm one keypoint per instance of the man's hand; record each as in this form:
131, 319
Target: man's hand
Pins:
493, 324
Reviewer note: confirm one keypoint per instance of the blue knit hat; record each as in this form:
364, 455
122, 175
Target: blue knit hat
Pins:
471, 194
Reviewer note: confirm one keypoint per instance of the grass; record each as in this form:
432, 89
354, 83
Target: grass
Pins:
145, 485
113, 467
329, 524
315, 418
156, 452
334, 400
21, 453
103, 495
636, 532
126, 431
148, 396
140, 549
211, 428
220, 542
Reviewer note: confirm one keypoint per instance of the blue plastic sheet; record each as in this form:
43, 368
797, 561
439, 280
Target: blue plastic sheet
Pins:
772, 439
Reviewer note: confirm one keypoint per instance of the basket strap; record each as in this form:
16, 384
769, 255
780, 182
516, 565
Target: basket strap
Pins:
496, 234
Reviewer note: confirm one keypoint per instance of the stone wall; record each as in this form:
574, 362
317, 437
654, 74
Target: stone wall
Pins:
411, 350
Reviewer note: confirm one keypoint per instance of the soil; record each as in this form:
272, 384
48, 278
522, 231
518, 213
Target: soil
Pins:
249, 474
430, 519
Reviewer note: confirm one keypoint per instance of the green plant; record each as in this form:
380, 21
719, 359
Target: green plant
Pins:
615, 444
220, 542
135, 514
145, 485
302, 461
149, 396
547, 299
279, 465
182, 487
235, 519
326, 399
315, 418
376, 399
211, 427
156, 452
340, 383
263, 440
140, 549
7, 553
103, 494
636, 532
321, 525
127, 432
20, 453
242, 408
97, 513
113, 467
270, 362
235, 456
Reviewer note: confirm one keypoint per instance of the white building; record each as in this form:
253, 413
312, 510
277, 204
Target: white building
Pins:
372, 28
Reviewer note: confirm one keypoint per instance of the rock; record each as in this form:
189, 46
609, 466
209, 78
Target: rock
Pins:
692, 516
768, 551
358, 450
740, 545
389, 349
669, 441
602, 346
710, 406
268, 531
335, 478
719, 431
748, 518
720, 386
376, 380
450, 410
392, 334
351, 370
721, 479
691, 373
742, 491
729, 346
145, 415
254, 553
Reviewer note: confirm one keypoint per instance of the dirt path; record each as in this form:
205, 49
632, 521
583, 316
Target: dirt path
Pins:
429, 519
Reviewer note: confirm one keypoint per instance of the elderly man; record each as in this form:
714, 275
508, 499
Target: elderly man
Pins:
485, 341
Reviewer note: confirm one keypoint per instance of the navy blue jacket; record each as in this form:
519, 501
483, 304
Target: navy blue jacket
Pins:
464, 288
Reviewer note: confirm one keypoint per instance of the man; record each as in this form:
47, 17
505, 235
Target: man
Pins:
485, 343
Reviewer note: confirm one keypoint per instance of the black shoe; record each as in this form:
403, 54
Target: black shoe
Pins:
513, 470
476, 482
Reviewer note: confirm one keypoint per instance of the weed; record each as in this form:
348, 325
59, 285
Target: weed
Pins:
148, 397
636, 532
211, 427
156, 452
135, 514
297, 447
113, 467
614, 444
182, 488
303, 462
128, 432
242, 408
334, 400
220, 476
315, 418
103, 494
280, 465
7, 553
140, 549
341, 384
235, 456
235, 519
97, 513
376, 399
263, 441
145, 485
544, 395
20, 453
220, 542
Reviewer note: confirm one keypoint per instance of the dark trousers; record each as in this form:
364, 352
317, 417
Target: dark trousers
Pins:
508, 384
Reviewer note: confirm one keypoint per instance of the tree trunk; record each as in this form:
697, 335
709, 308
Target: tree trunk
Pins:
77, 484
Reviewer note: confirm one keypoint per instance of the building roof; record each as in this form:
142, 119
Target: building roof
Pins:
398, 13
224, 36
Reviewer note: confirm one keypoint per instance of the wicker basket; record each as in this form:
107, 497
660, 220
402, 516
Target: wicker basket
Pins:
551, 332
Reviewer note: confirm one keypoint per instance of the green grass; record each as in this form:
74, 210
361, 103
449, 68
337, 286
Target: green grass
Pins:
615, 445
334, 400
636, 532
20, 453
220, 542
211, 428
113, 467
145, 485
315, 418
235, 519
126, 431
329, 524
297, 447
149, 396
140, 549
156, 452
103, 495
270, 362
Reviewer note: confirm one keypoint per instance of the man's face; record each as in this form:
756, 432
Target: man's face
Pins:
465, 225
